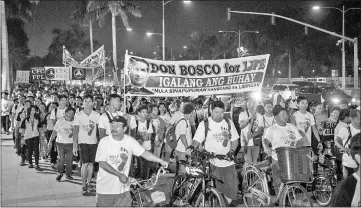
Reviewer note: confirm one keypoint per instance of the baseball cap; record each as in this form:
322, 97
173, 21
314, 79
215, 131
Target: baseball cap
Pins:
120, 119
354, 113
188, 108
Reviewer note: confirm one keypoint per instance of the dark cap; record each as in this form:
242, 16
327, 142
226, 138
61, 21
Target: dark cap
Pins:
188, 108
120, 119
354, 113
142, 107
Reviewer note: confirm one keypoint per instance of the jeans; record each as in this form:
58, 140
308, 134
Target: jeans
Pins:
53, 152
252, 154
180, 156
66, 156
5, 123
33, 146
114, 200
43, 146
167, 152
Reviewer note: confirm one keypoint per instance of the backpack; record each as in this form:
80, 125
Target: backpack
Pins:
206, 129
170, 136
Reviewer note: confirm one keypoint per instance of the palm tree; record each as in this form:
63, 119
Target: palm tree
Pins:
115, 8
85, 19
19, 9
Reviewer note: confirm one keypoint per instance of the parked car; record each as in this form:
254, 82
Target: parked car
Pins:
333, 96
288, 91
312, 93
303, 83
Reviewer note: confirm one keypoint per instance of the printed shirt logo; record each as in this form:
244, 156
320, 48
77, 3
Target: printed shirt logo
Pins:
222, 137
119, 160
290, 140
305, 126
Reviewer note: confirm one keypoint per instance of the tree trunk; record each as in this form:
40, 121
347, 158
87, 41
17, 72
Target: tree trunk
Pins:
114, 33
91, 46
4, 51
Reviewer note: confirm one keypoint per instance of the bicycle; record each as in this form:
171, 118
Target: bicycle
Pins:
323, 185
256, 190
196, 187
139, 191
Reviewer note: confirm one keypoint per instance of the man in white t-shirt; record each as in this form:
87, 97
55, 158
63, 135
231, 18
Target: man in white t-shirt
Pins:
114, 156
280, 134
343, 142
220, 140
105, 119
85, 126
183, 134
159, 129
5, 111
305, 122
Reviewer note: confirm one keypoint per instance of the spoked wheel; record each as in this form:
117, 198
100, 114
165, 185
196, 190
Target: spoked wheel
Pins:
322, 190
252, 178
295, 195
178, 188
212, 198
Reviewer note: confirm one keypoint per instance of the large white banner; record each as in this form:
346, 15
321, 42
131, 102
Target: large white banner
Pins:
57, 73
192, 78
22, 76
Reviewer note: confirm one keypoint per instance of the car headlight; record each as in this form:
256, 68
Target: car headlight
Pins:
335, 100
270, 95
353, 100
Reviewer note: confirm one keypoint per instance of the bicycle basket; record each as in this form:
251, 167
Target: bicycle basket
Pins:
294, 164
159, 193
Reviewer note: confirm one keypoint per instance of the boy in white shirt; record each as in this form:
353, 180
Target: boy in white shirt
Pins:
305, 122
144, 131
85, 126
114, 156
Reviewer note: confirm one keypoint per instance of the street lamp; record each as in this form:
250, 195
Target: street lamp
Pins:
343, 41
239, 33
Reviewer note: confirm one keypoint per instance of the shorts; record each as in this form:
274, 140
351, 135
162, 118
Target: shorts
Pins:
88, 152
114, 200
228, 176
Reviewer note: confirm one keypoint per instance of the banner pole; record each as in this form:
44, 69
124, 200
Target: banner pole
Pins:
125, 97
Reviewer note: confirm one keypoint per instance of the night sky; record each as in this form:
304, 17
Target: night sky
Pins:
180, 21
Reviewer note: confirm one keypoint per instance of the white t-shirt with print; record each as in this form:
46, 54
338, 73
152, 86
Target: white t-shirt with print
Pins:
59, 115
117, 154
143, 132
104, 121
244, 116
5, 108
166, 119
182, 129
176, 116
282, 136
304, 122
86, 123
217, 140
344, 134
64, 129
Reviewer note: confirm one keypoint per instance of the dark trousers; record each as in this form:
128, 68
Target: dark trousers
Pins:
33, 146
5, 123
66, 156
53, 153
144, 168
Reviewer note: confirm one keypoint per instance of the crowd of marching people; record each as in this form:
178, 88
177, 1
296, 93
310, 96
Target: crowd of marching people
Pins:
111, 138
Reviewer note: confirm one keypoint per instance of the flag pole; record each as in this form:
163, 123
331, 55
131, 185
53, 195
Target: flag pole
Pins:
125, 97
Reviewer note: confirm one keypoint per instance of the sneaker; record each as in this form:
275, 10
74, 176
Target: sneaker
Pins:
31, 166
84, 190
89, 187
53, 166
22, 163
58, 178
38, 168
69, 177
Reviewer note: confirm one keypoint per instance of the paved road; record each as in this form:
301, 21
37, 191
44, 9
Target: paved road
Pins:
21, 186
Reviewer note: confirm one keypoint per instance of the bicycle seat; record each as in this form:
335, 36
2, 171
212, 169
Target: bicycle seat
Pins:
262, 164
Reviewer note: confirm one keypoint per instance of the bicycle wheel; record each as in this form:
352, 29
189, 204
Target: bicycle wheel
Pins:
252, 178
178, 188
295, 195
213, 198
322, 190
